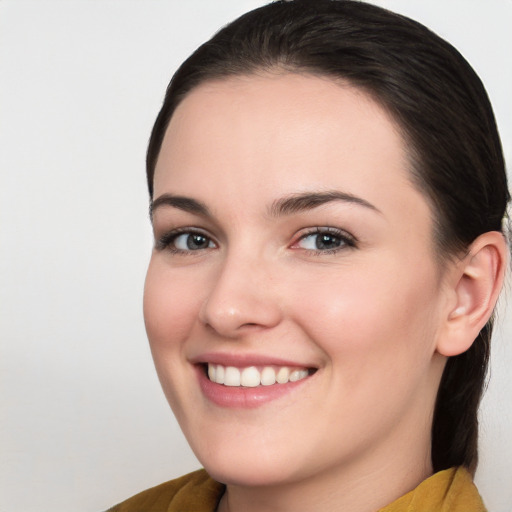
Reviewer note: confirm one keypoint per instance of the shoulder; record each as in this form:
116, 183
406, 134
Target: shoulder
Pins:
195, 492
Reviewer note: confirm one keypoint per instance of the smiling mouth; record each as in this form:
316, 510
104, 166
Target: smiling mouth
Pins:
253, 376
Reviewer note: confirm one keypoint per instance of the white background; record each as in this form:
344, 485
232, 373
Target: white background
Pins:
83, 423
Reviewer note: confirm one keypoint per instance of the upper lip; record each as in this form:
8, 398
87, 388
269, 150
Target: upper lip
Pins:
245, 360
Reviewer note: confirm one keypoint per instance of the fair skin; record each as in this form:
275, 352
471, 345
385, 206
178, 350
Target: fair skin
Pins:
302, 243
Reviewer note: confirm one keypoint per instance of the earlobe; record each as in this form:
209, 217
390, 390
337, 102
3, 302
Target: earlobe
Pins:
476, 289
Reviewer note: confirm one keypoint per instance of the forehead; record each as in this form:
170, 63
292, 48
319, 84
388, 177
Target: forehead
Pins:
282, 133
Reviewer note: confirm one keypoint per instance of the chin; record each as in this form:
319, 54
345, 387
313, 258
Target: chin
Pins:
246, 473
254, 463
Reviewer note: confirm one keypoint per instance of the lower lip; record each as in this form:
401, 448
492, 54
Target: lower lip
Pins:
242, 397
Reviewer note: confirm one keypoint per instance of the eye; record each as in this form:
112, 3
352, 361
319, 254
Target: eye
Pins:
327, 240
185, 241
192, 242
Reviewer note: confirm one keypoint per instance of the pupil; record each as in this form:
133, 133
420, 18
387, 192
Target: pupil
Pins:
197, 242
327, 242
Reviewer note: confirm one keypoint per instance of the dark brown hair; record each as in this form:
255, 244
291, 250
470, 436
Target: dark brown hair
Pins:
447, 124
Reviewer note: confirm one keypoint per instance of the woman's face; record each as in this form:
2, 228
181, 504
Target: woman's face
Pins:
290, 242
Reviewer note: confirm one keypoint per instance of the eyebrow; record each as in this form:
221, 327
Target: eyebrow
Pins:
186, 204
281, 207
309, 200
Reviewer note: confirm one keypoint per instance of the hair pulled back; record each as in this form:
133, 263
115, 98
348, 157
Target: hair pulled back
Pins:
446, 121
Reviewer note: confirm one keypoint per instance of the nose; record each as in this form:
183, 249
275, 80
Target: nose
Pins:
242, 297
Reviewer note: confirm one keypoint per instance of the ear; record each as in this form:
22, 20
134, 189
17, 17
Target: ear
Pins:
476, 284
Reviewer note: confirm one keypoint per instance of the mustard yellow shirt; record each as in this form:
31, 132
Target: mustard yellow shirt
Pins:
451, 490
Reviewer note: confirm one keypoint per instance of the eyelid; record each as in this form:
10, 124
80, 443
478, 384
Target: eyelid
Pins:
349, 240
164, 241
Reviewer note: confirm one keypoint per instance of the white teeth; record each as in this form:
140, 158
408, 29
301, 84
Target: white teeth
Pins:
268, 376
298, 375
220, 372
232, 376
251, 377
283, 375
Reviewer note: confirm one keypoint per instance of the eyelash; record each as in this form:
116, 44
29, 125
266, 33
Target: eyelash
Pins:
346, 240
167, 240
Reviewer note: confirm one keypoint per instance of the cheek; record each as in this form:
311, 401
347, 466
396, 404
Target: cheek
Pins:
171, 306
374, 324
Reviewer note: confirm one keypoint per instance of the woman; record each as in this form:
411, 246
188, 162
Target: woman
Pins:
328, 197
